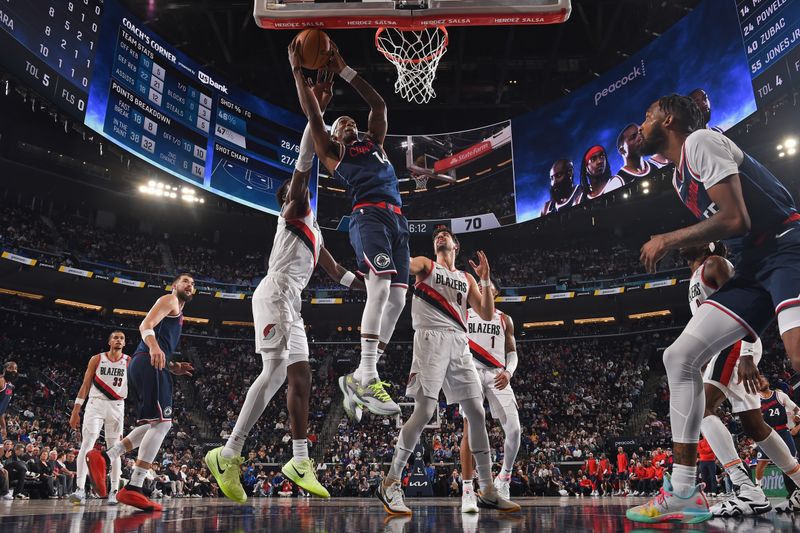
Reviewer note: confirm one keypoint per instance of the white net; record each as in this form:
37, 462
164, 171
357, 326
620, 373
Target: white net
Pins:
420, 181
415, 54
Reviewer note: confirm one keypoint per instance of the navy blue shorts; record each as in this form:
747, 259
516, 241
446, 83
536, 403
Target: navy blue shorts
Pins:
380, 240
153, 389
766, 282
786, 435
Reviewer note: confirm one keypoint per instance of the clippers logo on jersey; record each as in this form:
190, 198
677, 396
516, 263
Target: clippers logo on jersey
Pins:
382, 260
487, 339
110, 379
368, 174
295, 248
774, 412
440, 300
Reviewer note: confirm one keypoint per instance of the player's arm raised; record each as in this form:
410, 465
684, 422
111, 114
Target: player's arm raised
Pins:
481, 301
338, 273
502, 378
377, 123
327, 150
163, 306
83, 392
297, 201
420, 266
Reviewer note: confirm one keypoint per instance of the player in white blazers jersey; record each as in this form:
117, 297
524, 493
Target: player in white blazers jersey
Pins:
493, 348
105, 383
440, 362
280, 333
733, 374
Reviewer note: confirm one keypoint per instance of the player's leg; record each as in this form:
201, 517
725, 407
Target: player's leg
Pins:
503, 407
300, 469
90, 431
761, 466
113, 429
469, 503
709, 331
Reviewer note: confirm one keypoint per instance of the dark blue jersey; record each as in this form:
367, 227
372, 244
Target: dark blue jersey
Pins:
708, 157
774, 412
168, 333
367, 174
6, 393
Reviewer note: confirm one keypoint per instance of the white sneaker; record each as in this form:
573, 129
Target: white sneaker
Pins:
503, 487
7, 497
78, 497
469, 504
790, 505
392, 498
112, 498
750, 501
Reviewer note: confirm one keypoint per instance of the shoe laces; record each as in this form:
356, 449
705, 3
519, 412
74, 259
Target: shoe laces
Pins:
378, 390
659, 498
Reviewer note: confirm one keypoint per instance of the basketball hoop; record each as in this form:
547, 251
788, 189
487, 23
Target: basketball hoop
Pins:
415, 54
421, 181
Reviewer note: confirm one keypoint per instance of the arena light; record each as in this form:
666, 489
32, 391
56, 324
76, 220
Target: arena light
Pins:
646, 184
465, 178
195, 320
504, 163
79, 305
544, 324
791, 151
28, 295
482, 172
237, 323
625, 195
129, 312
595, 320
650, 314
646, 191
790, 143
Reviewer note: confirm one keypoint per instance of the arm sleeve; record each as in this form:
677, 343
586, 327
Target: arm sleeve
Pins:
306, 157
711, 157
511, 362
787, 402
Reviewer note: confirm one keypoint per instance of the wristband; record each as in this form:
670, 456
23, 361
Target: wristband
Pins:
347, 74
147, 332
486, 283
79, 401
347, 279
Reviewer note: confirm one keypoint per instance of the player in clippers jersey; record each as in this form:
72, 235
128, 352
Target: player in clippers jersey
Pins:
441, 362
149, 378
733, 374
494, 351
378, 230
781, 414
280, 332
105, 383
735, 199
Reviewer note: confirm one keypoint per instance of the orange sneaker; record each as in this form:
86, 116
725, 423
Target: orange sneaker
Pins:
134, 498
98, 466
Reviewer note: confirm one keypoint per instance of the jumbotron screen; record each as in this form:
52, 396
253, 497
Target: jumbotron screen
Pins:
108, 70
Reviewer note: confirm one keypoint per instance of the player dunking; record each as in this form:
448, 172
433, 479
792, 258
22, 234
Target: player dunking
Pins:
148, 374
494, 351
378, 229
735, 198
280, 331
733, 374
441, 362
105, 383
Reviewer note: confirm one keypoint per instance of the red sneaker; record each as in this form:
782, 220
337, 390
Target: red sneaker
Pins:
132, 522
98, 466
136, 499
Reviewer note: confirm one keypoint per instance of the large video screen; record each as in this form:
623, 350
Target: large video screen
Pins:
100, 64
582, 136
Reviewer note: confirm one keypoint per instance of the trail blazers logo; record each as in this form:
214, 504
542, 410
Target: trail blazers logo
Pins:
269, 332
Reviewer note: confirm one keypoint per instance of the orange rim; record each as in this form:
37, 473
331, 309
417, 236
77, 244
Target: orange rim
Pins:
397, 59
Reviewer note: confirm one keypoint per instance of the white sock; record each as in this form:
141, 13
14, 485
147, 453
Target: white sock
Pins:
777, 450
721, 442
299, 449
467, 483
505, 472
683, 480
367, 369
137, 477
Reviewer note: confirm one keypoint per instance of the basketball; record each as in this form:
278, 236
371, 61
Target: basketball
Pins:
314, 47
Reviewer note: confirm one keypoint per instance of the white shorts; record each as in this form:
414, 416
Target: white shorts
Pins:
723, 372
279, 329
502, 403
104, 413
440, 363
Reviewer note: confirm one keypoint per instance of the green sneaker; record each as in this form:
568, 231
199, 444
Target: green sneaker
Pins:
353, 411
227, 472
303, 475
373, 396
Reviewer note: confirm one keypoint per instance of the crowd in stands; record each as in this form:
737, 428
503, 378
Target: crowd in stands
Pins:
76, 241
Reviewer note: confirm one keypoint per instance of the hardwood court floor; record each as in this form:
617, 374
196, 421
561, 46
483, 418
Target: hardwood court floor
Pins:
353, 515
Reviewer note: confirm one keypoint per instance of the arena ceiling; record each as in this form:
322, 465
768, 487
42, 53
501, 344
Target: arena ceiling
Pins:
488, 73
